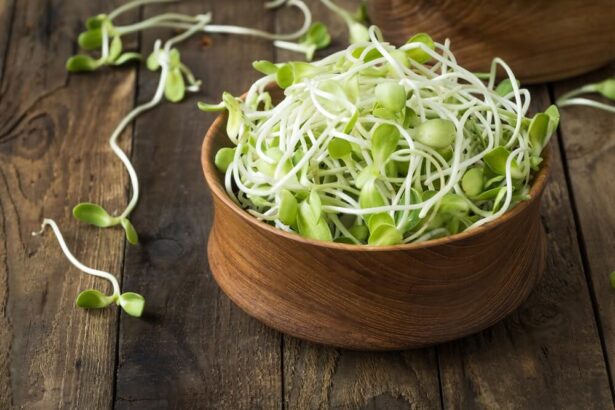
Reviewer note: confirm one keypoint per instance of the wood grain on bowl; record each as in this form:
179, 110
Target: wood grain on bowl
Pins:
373, 298
540, 40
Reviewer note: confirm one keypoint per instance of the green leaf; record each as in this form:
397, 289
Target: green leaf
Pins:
82, 62
95, 22
418, 54
315, 205
91, 39
93, 299
132, 303
391, 96
537, 131
505, 87
385, 235
553, 114
317, 35
612, 279
284, 76
127, 57
94, 215
487, 195
384, 142
174, 58
308, 227
413, 217
115, 49
360, 232
607, 88
131, 233
224, 158
357, 33
453, 204
436, 133
353, 121
152, 61
472, 181
369, 56
411, 119
235, 117
496, 161
339, 148
265, 67
499, 198
288, 208
175, 88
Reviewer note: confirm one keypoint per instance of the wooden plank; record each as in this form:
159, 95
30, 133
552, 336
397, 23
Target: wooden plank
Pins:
54, 154
193, 348
547, 354
322, 377
7, 7
588, 137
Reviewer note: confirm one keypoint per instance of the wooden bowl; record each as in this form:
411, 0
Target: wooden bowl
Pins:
367, 297
541, 40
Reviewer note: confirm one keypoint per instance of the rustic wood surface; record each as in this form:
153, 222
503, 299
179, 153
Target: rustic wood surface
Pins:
194, 348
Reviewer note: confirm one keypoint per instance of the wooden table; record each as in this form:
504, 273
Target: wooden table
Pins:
193, 347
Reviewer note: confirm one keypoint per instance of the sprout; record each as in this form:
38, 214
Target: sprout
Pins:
131, 302
606, 88
316, 38
357, 31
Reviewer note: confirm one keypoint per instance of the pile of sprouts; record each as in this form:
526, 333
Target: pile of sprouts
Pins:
381, 145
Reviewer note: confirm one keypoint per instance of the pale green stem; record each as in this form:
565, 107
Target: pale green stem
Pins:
133, 4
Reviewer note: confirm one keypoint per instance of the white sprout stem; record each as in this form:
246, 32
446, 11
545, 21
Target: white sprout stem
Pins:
164, 63
307, 22
156, 21
134, 4
586, 102
71, 258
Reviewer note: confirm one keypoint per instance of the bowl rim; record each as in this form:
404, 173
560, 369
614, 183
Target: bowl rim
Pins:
213, 181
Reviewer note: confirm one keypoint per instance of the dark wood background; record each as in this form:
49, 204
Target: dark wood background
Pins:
193, 348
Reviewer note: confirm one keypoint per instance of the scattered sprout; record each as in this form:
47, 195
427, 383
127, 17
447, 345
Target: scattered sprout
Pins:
357, 30
606, 88
132, 303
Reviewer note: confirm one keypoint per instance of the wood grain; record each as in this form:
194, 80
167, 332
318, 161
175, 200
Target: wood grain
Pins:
193, 348
588, 137
541, 40
547, 354
53, 154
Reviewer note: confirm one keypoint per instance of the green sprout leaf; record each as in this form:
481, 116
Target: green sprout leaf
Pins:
152, 61
265, 67
385, 235
224, 157
391, 96
127, 57
436, 133
339, 148
454, 204
96, 21
472, 181
538, 132
91, 39
94, 215
418, 54
93, 299
607, 88
360, 232
368, 174
175, 88
612, 279
496, 161
82, 62
288, 208
384, 142
235, 116
285, 76
131, 233
310, 228
553, 114
357, 32
132, 303
115, 49
315, 205
353, 121
505, 87
316, 38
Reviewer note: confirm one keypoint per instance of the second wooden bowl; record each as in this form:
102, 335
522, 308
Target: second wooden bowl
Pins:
373, 298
